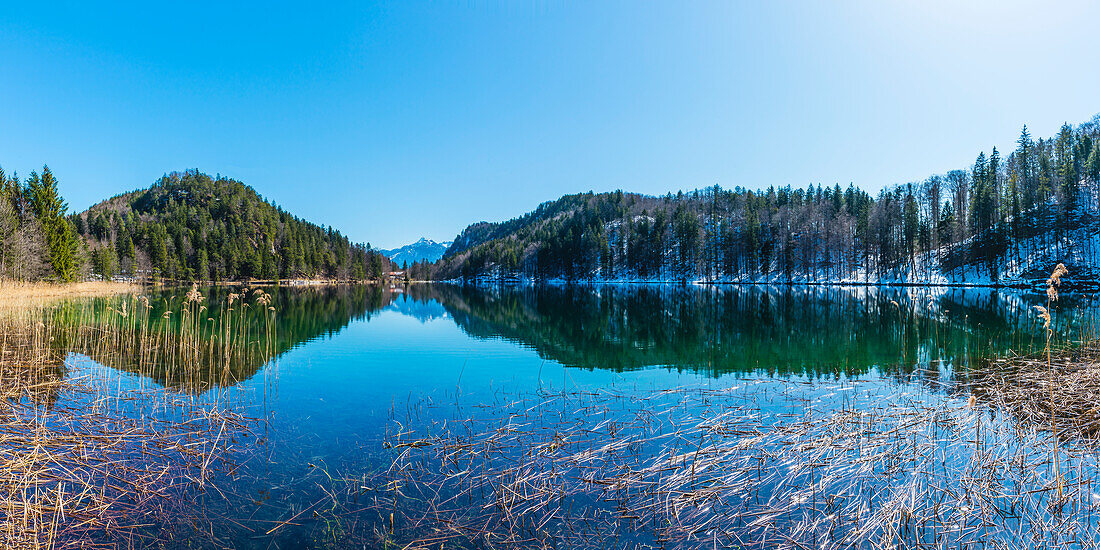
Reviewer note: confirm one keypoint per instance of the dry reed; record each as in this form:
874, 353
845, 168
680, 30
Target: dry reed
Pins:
87, 463
709, 468
21, 292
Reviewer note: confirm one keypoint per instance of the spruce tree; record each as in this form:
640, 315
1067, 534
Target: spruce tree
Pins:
47, 205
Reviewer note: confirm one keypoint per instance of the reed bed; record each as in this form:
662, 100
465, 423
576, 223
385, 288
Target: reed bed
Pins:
1060, 390
179, 341
862, 466
88, 460
20, 293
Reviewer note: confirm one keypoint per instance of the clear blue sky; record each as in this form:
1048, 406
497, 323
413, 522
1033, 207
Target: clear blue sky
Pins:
396, 121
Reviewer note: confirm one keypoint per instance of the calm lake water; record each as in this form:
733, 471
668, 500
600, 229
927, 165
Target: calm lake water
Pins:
355, 365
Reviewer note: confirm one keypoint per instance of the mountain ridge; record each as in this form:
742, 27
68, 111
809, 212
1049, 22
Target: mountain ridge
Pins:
423, 250
1004, 220
189, 225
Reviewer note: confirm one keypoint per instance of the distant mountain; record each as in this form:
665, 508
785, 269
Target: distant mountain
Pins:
195, 227
422, 250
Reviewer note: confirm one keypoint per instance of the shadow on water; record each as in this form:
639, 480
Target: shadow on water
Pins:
300, 315
811, 331
817, 332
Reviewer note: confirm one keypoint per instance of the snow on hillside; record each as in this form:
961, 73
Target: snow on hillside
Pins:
1027, 264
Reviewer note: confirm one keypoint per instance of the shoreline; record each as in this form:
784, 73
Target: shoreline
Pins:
1016, 285
16, 290
259, 282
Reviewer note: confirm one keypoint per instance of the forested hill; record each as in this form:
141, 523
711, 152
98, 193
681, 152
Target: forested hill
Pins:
191, 226
1008, 217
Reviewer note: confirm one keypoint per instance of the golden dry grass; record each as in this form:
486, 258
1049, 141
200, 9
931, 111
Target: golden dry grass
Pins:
19, 290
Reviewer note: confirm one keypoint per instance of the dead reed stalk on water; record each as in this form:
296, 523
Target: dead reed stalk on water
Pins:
698, 468
86, 463
703, 468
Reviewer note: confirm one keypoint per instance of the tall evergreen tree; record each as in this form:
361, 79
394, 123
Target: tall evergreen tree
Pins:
49, 208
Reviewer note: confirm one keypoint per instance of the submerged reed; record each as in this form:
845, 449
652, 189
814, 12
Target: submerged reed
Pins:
763, 464
698, 468
86, 462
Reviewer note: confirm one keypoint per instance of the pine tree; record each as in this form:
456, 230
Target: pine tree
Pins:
911, 224
1025, 163
1066, 173
1093, 163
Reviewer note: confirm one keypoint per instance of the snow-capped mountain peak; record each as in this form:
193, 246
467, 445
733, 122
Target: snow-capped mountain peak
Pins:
422, 250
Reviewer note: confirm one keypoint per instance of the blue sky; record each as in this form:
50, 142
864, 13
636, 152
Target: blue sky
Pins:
400, 120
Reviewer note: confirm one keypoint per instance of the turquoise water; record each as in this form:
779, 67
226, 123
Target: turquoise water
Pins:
357, 365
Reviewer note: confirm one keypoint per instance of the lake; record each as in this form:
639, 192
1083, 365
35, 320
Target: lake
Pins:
385, 416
